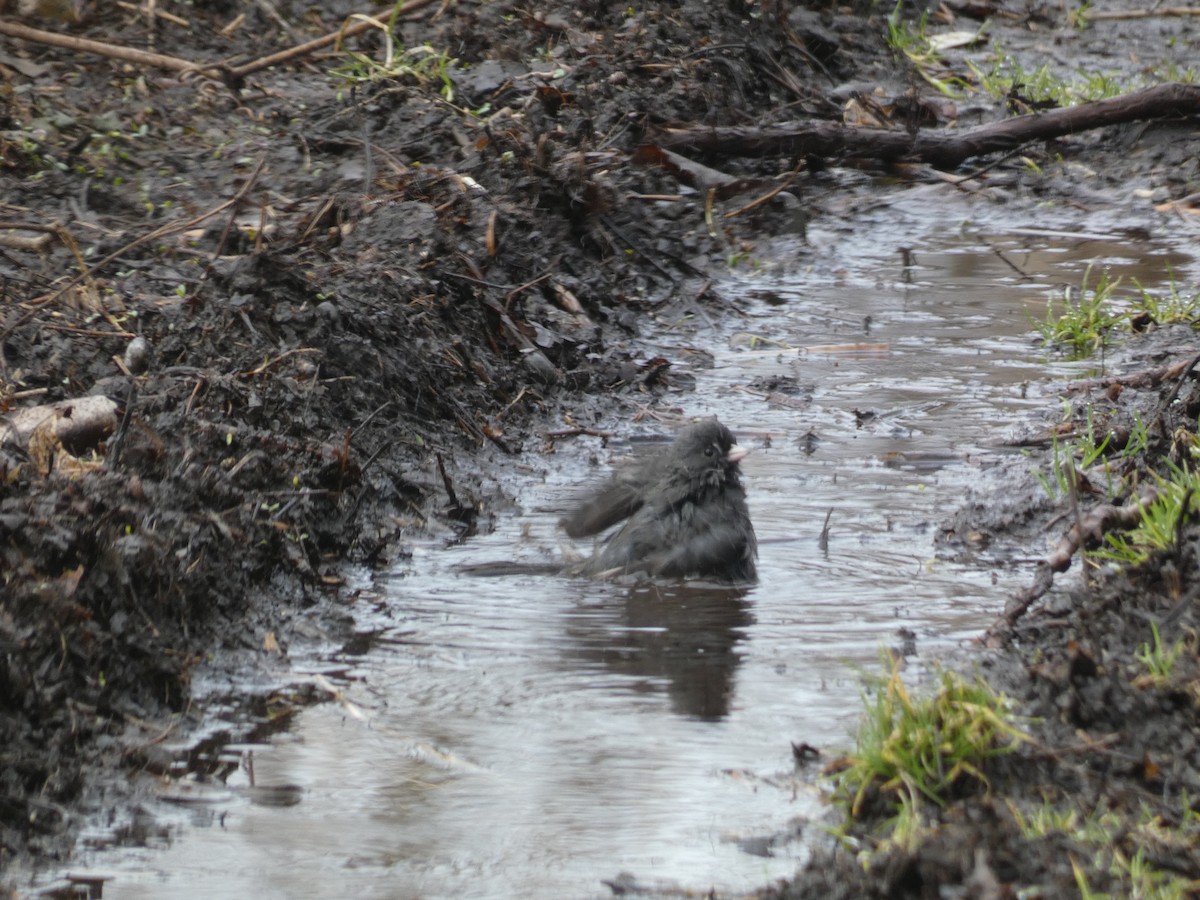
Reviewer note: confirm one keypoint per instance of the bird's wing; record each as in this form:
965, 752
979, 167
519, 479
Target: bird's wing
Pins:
617, 500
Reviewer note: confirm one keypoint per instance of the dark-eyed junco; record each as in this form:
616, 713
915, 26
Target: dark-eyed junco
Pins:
686, 511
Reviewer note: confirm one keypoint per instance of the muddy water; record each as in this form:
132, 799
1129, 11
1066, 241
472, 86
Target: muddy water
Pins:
537, 735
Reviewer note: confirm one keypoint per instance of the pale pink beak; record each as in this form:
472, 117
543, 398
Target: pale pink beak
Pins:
736, 454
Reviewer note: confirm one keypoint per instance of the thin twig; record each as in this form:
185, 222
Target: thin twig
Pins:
112, 51
113, 458
237, 200
767, 196
158, 14
265, 62
1162, 12
270, 362
229, 74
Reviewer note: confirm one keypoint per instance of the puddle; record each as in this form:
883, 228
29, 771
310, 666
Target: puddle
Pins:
536, 736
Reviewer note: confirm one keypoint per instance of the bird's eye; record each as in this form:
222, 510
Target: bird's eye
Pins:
708, 451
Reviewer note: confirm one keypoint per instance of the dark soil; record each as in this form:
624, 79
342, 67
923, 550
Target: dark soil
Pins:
404, 296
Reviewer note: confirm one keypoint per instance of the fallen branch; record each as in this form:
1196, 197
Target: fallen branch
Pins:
1091, 528
944, 149
1147, 378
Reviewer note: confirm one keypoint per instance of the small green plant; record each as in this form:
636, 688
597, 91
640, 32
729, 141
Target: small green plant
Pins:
1098, 827
1007, 77
1158, 525
1139, 439
910, 750
1069, 457
1083, 325
1158, 660
1078, 17
1058, 483
736, 258
422, 64
1173, 309
912, 41
1097, 834
908, 38
1169, 70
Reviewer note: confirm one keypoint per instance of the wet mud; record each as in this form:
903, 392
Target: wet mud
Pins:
327, 317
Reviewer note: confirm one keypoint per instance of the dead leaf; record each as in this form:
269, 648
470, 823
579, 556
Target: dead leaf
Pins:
44, 445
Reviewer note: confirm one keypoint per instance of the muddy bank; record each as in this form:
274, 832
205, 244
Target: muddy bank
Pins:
358, 302
412, 288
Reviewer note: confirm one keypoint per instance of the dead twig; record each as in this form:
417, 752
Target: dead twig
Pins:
112, 51
578, 431
769, 195
258, 370
90, 332
117, 444
823, 540
1089, 528
157, 13
1179, 380
236, 203
1164, 12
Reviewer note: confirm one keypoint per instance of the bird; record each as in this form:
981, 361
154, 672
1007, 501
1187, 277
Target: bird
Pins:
684, 511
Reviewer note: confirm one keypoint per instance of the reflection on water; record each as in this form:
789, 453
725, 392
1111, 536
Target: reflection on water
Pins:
538, 735
685, 636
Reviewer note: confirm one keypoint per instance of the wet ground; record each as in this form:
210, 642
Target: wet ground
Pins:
350, 394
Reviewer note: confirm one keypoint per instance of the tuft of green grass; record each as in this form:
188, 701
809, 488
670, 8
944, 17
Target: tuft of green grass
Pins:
1159, 660
1078, 455
422, 64
911, 41
1082, 321
1174, 308
1139, 439
1006, 77
1159, 522
910, 750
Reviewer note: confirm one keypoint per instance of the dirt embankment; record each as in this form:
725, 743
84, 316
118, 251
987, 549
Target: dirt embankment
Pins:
359, 298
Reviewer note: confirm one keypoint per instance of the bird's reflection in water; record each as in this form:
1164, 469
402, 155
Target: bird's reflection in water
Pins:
685, 634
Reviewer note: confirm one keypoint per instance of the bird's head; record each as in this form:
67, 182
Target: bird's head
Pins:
709, 451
